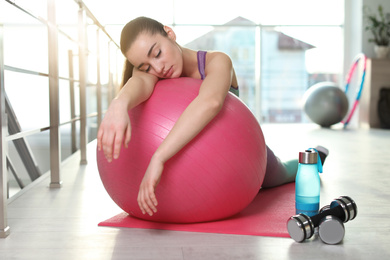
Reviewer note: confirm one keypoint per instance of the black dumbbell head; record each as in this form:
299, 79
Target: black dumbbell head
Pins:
348, 205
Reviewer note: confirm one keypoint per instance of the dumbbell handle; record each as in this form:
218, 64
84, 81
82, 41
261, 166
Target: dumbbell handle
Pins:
336, 211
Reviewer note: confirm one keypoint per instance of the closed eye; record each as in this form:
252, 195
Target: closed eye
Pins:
149, 67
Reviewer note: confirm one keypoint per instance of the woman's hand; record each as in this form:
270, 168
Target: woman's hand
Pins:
114, 130
147, 200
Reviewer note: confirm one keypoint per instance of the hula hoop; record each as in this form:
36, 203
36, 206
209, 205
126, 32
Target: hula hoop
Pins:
359, 57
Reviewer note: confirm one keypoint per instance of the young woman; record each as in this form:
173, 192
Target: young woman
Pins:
152, 54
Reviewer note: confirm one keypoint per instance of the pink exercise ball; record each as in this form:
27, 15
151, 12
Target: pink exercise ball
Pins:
215, 176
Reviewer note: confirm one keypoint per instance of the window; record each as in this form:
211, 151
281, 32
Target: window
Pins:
279, 48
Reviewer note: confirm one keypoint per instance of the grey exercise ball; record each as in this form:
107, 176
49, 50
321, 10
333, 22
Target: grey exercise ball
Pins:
325, 104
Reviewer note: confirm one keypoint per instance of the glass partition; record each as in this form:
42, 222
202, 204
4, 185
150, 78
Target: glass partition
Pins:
26, 80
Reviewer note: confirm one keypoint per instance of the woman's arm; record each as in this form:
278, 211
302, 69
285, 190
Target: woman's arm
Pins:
115, 128
208, 103
202, 109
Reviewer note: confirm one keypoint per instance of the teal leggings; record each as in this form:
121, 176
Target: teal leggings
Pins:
277, 172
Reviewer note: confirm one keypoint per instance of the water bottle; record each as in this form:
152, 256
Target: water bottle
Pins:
307, 183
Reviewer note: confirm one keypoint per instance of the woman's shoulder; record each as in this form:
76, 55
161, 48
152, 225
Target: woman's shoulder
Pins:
216, 58
209, 62
217, 54
209, 54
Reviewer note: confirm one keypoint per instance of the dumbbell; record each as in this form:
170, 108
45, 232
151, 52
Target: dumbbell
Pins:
329, 221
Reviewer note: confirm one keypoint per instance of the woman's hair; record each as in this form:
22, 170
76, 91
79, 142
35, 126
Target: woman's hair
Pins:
130, 32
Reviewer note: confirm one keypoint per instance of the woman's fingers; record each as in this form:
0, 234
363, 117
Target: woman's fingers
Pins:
128, 136
108, 140
117, 144
111, 140
99, 139
147, 200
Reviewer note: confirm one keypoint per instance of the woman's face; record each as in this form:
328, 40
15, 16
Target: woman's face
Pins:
157, 54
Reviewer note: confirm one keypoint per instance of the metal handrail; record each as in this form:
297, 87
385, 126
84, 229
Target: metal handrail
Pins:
95, 21
37, 73
53, 77
42, 129
31, 72
38, 18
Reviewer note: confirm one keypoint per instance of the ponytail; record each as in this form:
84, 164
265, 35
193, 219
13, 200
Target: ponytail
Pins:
127, 72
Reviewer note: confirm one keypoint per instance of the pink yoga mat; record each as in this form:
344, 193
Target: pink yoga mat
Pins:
267, 215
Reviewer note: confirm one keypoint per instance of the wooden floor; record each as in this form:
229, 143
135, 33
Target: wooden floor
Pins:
62, 223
